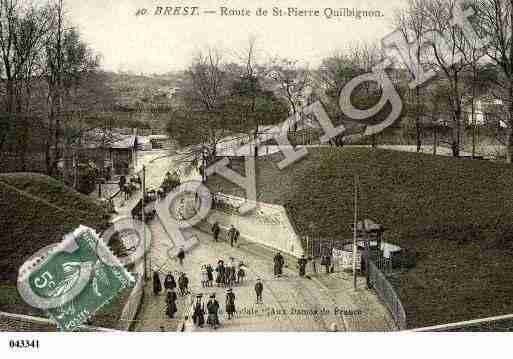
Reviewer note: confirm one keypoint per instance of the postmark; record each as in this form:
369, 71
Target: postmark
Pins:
74, 279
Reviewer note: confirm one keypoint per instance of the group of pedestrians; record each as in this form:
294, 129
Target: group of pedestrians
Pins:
233, 234
170, 285
279, 263
212, 309
227, 274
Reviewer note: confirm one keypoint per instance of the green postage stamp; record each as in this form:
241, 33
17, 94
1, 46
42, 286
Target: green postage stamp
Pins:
74, 278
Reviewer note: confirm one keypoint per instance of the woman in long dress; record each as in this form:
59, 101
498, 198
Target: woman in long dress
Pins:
213, 308
171, 303
230, 303
198, 316
220, 280
204, 276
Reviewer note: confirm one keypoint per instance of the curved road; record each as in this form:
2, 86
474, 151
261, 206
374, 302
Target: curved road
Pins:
291, 303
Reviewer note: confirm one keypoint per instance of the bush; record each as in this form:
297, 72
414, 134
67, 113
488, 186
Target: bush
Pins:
87, 180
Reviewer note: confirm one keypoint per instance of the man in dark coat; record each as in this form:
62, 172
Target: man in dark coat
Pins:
228, 274
259, 288
198, 315
278, 264
240, 274
171, 303
183, 284
302, 265
326, 262
157, 285
230, 303
210, 274
231, 235
236, 236
215, 231
181, 255
169, 282
213, 309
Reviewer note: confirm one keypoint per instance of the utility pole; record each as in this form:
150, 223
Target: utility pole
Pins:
355, 247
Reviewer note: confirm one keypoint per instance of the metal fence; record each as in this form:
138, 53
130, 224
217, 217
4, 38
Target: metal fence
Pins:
388, 295
321, 247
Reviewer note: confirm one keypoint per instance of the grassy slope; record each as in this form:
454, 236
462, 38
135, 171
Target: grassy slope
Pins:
444, 209
38, 211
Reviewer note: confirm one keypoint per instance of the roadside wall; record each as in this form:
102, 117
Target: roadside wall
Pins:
268, 225
134, 301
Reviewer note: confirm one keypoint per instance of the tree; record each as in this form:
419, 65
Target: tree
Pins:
67, 60
203, 121
412, 24
250, 104
292, 84
495, 23
448, 44
23, 29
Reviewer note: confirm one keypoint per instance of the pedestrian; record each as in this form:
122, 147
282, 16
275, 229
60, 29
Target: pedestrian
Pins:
204, 276
122, 183
157, 285
161, 194
215, 231
169, 282
240, 274
313, 260
220, 279
198, 314
213, 309
259, 288
171, 303
183, 284
181, 255
210, 274
126, 191
228, 274
326, 262
231, 234
230, 303
236, 237
302, 265
278, 264
233, 274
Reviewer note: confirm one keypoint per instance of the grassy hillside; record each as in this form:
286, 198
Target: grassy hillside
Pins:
456, 214
36, 211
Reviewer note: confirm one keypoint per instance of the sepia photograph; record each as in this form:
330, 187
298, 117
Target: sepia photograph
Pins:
282, 166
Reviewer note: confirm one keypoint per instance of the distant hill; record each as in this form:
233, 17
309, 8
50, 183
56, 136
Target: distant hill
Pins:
132, 90
455, 214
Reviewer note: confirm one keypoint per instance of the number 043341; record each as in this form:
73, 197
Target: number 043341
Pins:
22, 344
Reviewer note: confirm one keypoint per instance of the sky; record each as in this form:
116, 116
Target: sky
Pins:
159, 44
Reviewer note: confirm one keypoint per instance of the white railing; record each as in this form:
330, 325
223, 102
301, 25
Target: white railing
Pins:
489, 322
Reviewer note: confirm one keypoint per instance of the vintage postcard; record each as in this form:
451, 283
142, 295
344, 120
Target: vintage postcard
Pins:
271, 166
